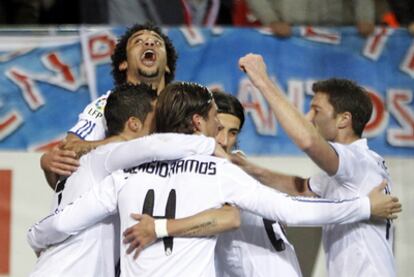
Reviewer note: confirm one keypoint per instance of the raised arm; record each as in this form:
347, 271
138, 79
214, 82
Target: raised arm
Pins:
207, 223
297, 127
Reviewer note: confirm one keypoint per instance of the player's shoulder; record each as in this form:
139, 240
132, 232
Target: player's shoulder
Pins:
208, 158
106, 148
100, 102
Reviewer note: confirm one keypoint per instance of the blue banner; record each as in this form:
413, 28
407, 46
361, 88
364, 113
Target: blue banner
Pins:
45, 83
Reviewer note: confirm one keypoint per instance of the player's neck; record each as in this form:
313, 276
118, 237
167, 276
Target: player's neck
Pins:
346, 137
157, 84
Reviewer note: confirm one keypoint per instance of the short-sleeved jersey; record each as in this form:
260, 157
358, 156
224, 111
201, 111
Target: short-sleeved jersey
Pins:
91, 123
180, 188
94, 251
248, 251
361, 248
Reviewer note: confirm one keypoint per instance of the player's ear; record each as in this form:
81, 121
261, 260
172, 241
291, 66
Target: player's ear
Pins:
134, 124
344, 120
123, 66
197, 123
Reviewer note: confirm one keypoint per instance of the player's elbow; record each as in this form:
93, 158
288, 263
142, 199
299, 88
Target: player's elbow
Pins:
60, 228
31, 240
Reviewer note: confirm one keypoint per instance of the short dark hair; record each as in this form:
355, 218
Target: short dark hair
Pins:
125, 101
227, 103
120, 54
177, 104
346, 96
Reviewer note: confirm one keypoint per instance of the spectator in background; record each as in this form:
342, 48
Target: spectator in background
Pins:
404, 11
161, 12
19, 12
280, 15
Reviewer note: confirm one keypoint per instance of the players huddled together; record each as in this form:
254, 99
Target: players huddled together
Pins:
154, 187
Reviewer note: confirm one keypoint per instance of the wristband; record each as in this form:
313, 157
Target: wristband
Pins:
161, 228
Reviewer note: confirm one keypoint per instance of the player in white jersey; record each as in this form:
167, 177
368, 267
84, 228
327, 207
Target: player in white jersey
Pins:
129, 113
259, 247
142, 55
339, 111
179, 188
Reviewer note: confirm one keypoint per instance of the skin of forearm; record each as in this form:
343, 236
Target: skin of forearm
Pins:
51, 178
292, 185
292, 121
299, 129
207, 223
82, 147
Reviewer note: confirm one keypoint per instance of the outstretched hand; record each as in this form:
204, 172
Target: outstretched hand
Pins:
140, 235
383, 206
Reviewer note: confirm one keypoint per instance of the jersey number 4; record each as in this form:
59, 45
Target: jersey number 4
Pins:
148, 209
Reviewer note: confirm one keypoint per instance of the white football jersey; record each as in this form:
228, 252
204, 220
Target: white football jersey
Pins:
81, 255
180, 188
91, 123
91, 252
361, 248
249, 251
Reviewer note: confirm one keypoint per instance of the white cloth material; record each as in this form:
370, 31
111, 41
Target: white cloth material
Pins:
161, 228
248, 251
362, 248
91, 124
83, 254
185, 187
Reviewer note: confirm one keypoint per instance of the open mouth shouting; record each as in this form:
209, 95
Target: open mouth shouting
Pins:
148, 58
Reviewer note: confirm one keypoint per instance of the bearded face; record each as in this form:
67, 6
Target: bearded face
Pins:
146, 57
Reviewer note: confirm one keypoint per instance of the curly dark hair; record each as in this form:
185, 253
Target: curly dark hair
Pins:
119, 55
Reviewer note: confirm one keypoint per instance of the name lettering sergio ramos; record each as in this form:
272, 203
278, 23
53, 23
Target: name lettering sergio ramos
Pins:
165, 169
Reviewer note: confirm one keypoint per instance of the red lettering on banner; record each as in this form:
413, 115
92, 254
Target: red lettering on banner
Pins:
9, 123
407, 65
379, 118
31, 94
296, 94
320, 35
65, 76
255, 105
375, 43
5, 226
398, 101
57, 65
101, 47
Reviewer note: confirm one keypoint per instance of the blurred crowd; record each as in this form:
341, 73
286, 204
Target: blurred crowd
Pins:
278, 15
